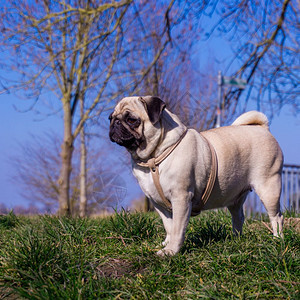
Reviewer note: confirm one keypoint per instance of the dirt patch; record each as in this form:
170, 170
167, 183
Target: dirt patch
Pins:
117, 268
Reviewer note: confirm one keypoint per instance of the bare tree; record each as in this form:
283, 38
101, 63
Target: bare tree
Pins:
37, 168
264, 38
37, 171
187, 92
74, 48
57, 44
174, 75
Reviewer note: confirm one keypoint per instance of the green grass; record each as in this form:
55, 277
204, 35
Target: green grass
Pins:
63, 258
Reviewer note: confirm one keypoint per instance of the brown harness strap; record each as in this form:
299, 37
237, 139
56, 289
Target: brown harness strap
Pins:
212, 175
153, 165
154, 169
164, 155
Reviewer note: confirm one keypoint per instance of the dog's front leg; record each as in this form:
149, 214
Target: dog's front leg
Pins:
166, 217
181, 212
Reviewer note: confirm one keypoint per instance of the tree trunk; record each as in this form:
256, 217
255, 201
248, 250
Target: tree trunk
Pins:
66, 168
83, 155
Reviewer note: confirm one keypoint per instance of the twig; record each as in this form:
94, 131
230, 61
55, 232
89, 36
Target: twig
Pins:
267, 226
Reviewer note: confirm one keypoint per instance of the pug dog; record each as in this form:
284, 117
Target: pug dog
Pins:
243, 157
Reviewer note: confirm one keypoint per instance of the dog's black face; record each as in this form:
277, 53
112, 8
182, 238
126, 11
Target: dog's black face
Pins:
123, 130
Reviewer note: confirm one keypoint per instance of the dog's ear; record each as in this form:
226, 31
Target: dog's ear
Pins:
154, 107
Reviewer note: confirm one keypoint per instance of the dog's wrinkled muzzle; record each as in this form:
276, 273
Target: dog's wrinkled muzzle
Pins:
119, 134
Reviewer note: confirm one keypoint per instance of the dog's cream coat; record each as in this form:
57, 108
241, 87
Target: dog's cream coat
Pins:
248, 158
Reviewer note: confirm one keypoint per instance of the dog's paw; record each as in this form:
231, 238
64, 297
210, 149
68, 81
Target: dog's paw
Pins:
165, 252
165, 242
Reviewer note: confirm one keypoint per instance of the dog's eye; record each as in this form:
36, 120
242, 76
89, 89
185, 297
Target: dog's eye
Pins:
131, 121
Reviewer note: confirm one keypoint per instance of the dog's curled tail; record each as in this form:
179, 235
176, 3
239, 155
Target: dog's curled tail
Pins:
252, 118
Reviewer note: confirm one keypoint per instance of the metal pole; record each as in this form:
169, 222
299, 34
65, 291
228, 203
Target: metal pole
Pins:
219, 109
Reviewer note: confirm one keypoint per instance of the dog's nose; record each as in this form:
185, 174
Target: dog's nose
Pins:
117, 122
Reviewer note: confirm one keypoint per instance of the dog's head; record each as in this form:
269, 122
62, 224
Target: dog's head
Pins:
134, 123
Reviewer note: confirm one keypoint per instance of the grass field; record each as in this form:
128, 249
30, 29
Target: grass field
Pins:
114, 257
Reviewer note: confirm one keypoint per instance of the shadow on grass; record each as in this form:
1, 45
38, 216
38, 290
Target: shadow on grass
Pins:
206, 235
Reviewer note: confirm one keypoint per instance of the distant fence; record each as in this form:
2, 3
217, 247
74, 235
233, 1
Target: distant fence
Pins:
290, 195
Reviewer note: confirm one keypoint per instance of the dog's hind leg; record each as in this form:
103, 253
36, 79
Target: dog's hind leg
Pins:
237, 214
269, 192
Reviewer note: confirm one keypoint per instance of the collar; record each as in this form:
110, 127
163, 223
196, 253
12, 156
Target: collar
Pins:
155, 161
